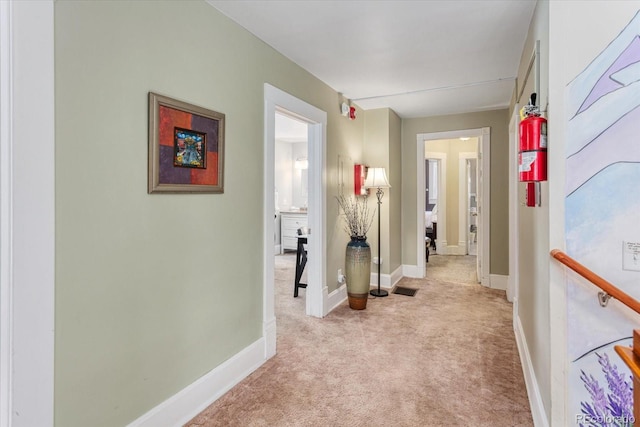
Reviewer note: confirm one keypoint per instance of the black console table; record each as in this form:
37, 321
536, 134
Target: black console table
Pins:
301, 261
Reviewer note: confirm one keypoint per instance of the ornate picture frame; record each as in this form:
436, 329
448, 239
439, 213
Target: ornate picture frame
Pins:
186, 147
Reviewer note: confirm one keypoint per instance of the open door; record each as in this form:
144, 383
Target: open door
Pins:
472, 206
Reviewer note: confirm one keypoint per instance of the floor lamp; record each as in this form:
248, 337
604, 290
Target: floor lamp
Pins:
377, 178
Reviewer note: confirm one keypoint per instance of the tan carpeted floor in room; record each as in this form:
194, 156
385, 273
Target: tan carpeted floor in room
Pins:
452, 268
445, 357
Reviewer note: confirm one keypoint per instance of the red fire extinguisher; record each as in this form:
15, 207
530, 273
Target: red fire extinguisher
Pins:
532, 152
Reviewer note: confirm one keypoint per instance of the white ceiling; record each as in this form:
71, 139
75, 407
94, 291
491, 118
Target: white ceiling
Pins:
419, 58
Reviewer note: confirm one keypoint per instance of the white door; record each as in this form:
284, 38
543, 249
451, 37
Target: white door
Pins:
472, 207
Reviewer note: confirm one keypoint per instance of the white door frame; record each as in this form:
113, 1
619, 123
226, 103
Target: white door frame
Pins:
484, 212
512, 285
27, 213
278, 100
463, 201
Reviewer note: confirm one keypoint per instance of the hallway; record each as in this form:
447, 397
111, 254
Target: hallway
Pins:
446, 356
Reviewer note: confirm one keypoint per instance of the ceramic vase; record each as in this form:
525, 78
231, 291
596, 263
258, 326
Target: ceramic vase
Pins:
358, 272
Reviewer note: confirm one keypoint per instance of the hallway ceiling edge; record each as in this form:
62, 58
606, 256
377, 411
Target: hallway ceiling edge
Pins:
419, 58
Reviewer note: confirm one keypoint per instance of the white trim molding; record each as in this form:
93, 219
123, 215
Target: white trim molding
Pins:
269, 331
335, 298
396, 276
463, 200
316, 119
27, 213
484, 193
533, 390
484, 200
460, 249
387, 280
193, 399
6, 218
413, 271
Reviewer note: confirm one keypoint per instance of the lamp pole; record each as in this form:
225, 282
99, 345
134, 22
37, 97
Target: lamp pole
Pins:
378, 292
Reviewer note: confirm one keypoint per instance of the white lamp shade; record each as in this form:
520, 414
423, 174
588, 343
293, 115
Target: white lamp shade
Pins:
301, 163
376, 178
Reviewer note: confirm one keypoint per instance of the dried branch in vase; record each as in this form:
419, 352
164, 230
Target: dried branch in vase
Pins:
356, 214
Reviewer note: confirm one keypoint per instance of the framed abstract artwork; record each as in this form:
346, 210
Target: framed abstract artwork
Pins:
186, 147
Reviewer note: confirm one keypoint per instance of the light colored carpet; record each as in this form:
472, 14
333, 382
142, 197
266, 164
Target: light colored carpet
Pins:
442, 358
452, 268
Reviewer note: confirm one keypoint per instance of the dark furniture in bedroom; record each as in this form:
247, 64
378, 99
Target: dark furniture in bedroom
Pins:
432, 233
301, 259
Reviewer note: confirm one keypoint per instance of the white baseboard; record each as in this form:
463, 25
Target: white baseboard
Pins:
461, 249
193, 399
535, 399
277, 249
445, 249
336, 298
441, 247
413, 271
387, 280
499, 281
269, 333
396, 276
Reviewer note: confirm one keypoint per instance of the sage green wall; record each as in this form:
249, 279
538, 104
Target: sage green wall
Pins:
452, 148
376, 137
154, 291
498, 121
382, 149
395, 199
533, 225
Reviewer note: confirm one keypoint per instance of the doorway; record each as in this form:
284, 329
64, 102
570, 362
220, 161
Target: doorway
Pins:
435, 206
291, 200
291, 169
462, 221
278, 101
451, 211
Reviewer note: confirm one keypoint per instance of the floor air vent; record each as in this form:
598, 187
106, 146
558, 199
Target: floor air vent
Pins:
400, 290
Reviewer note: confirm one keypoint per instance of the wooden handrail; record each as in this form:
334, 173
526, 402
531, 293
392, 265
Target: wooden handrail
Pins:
631, 357
606, 286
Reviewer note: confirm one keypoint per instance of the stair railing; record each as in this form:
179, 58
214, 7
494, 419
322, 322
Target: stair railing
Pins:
608, 289
630, 356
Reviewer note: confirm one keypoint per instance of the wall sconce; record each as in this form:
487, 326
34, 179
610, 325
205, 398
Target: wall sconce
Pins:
359, 175
301, 163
